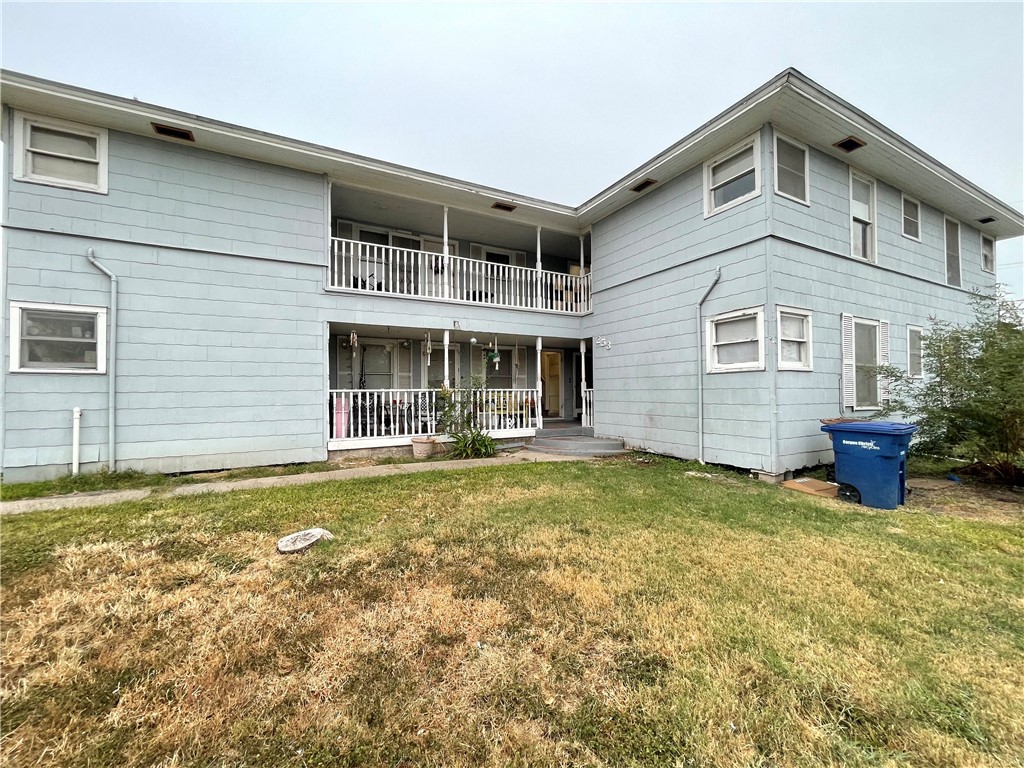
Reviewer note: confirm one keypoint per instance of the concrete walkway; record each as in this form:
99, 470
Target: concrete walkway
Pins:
102, 498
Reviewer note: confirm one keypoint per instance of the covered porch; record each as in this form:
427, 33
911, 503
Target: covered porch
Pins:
391, 384
392, 245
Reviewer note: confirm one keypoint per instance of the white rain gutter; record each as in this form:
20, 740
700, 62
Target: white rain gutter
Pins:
111, 359
700, 369
76, 439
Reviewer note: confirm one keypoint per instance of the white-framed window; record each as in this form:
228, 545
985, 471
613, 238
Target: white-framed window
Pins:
911, 218
733, 177
865, 345
792, 178
735, 341
862, 216
59, 153
795, 352
915, 351
58, 338
988, 253
952, 236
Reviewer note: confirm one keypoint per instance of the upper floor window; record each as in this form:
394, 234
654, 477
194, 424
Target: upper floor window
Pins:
862, 216
60, 153
988, 253
735, 341
952, 252
791, 177
58, 338
733, 177
911, 218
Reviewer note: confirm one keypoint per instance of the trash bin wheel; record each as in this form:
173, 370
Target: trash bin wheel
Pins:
848, 493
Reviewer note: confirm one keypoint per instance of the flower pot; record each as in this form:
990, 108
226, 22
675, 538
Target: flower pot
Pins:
423, 447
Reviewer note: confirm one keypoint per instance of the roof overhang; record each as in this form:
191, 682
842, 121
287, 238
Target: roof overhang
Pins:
796, 104
32, 94
790, 101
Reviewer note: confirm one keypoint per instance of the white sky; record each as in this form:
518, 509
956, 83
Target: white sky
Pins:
551, 100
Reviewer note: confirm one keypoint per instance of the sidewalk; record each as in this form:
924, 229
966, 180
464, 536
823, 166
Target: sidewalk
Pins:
102, 498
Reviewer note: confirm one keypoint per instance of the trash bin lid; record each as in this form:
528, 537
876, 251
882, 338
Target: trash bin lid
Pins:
874, 427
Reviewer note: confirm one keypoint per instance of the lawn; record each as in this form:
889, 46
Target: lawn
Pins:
607, 613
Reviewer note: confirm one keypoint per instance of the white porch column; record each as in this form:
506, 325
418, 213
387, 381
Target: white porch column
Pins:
583, 372
539, 302
540, 385
447, 380
583, 265
446, 275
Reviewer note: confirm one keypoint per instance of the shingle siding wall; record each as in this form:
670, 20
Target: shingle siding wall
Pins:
169, 194
652, 261
829, 286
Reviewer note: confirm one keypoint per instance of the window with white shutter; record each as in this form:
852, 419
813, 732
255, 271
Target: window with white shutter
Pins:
865, 346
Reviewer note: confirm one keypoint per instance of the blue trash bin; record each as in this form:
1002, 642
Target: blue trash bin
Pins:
871, 461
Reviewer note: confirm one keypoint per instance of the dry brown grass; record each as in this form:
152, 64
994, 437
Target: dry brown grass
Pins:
567, 615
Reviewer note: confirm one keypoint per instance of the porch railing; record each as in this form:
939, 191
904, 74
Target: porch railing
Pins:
395, 413
404, 272
588, 407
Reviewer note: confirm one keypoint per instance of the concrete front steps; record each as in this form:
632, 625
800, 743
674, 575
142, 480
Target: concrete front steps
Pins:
572, 439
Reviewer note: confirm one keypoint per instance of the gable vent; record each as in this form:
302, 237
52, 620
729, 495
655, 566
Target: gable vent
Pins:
506, 207
849, 144
987, 220
173, 133
645, 184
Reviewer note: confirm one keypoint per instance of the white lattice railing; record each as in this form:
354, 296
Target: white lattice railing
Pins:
404, 272
394, 413
588, 407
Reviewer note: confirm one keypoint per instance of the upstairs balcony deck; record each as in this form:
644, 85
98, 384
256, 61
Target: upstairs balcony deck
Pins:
371, 268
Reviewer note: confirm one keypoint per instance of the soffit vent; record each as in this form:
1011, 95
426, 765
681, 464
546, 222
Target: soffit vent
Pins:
645, 184
987, 220
171, 132
849, 144
506, 207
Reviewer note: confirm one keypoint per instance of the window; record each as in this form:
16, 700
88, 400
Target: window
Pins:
791, 177
733, 177
862, 215
794, 340
56, 338
735, 341
60, 153
952, 252
865, 345
911, 218
988, 253
915, 366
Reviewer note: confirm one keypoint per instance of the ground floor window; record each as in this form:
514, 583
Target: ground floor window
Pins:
794, 340
735, 341
865, 345
58, 338
915, 337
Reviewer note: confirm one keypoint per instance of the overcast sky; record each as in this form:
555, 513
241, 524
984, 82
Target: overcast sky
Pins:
551, 100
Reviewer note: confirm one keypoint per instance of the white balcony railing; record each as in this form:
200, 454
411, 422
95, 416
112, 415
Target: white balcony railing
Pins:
404, 272
588, 408
373, 414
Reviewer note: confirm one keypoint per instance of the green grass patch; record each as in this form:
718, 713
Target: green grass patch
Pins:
622, 612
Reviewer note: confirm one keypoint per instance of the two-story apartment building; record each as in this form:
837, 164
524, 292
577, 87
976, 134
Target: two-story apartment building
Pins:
182, 294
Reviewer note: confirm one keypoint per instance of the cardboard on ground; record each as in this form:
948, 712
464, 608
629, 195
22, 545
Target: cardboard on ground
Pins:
812, 486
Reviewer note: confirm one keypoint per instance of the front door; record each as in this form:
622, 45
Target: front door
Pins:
551, 366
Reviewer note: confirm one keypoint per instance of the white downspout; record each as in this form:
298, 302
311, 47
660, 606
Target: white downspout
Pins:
111, 362
76, 439
700, 368
583, 374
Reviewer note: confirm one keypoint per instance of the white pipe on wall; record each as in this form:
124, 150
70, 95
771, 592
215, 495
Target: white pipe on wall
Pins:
700, 369
111, 361
76, 438
447, 379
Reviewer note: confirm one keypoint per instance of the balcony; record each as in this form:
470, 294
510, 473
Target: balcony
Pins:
388, 270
